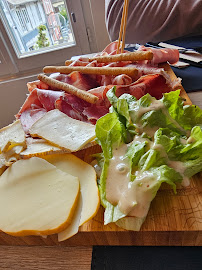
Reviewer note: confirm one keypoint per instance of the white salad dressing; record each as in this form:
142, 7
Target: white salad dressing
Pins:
191, 140
118, 175
132, 197
183, 141
155, 105
136, 199
161, 149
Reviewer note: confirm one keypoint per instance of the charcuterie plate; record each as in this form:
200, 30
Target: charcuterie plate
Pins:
173, 220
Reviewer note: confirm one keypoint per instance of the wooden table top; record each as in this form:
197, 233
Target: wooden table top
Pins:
45, 258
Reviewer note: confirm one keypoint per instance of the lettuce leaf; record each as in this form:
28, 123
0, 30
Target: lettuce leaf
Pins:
164, 143
187, 116
110, 132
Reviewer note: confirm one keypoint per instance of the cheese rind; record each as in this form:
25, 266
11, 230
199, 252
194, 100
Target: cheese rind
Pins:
36, 198
63, 131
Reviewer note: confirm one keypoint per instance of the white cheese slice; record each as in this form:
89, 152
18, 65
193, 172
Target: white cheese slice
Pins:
63, 131
39, 147
11, 136
88, 186
36, 198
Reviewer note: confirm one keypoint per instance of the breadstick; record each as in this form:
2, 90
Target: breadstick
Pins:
131, 56
68, 88
68, 62
132, 72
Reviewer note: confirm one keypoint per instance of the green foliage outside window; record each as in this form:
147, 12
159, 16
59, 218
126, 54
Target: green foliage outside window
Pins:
63, 12
42, 39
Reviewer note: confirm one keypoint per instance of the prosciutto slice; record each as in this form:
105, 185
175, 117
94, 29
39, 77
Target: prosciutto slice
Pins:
162, 55
38, 102
77, 79
94, 112
37, 84
29, 117
154, 84
72, 106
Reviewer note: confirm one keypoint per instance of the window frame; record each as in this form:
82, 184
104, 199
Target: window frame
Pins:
17, 65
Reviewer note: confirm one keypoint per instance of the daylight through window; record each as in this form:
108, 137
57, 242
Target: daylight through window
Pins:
37, 25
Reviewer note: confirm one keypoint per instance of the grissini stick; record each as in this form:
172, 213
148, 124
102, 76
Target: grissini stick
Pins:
132, 56
90, 98
114, 71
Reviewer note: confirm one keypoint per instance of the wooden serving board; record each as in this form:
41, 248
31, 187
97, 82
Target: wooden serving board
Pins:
173, 220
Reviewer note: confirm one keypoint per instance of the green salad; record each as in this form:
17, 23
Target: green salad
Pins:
145, 142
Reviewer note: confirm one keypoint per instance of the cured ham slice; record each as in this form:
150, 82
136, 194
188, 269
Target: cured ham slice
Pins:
162, 55
154, 84
100, 92
159, 55
93, 113
39, 98
79, 80
36, 105
111, 47
36, 84
29, 117
72, 106
122, 80
41, 101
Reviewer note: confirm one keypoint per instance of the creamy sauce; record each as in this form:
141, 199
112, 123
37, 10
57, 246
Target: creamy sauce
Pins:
185, 181
131, 197
141, 140
191, 140
183, 141
118, 175
161, 150
154, 106
136, 199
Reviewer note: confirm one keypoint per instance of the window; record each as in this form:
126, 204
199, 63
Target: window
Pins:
23, 18
41, 32
38, 11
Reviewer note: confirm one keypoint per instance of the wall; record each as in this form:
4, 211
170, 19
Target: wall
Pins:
12, 96
98, 13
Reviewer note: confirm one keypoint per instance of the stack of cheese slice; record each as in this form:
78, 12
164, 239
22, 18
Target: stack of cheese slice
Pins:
45, 189
44, 196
